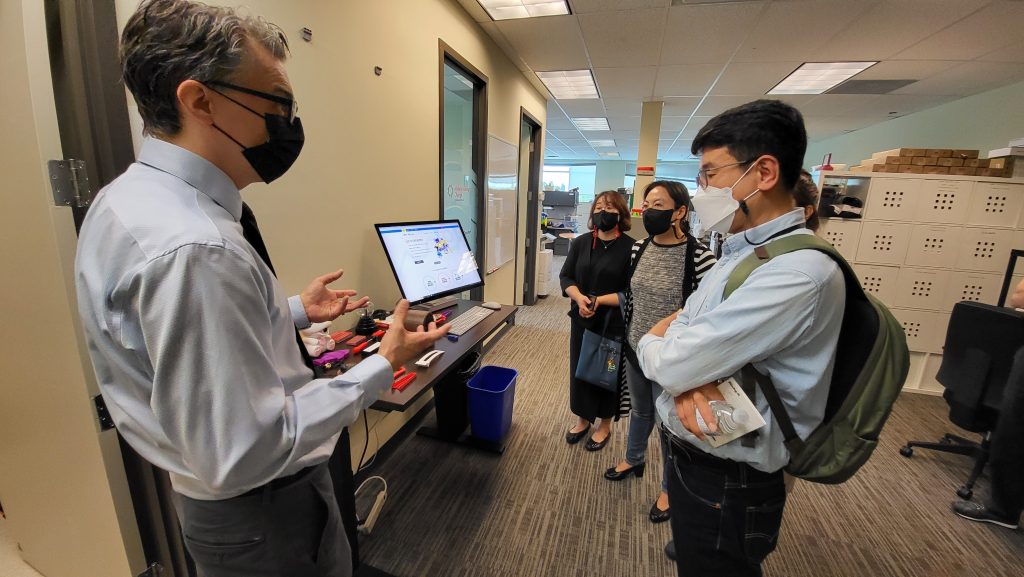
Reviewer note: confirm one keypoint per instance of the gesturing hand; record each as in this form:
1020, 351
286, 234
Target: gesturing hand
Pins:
688, 403
324, 304
400, 346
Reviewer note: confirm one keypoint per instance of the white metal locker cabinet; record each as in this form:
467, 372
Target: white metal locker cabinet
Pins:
880, 281
985, 250
925, 330
996, 204
893, 198
934, 245
945, 201
883, 243
972, 286
919, 288
843, 234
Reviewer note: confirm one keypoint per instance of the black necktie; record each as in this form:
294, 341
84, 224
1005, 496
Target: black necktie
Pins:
251, 232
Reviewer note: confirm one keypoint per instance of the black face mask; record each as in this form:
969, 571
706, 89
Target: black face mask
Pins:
606, 221
657, 221
285, 138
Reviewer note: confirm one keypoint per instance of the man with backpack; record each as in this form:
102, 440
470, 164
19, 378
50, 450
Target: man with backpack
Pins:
784, 319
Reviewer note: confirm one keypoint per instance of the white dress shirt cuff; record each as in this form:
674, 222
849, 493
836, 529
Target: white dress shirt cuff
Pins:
374, 373
298, 313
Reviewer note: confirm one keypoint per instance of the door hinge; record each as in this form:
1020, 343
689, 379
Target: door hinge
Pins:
103, 414
533, 147
154, 570
528, 243
70, 183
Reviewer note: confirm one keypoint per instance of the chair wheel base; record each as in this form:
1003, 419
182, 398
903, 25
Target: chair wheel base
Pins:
964, 493
907, 451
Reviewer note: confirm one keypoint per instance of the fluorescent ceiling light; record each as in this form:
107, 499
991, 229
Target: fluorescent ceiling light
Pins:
511, 9
608, 154
817, 77
602, 143
591, 123
569, 84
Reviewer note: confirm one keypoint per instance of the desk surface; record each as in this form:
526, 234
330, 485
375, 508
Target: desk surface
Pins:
393, 400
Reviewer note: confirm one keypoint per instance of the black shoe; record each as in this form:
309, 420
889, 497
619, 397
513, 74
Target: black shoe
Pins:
982, 514
573, 438
670, 550
593, 445
657, 515
637, 470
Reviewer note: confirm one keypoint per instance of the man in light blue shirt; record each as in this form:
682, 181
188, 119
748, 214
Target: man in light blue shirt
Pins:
727, 502
192, 338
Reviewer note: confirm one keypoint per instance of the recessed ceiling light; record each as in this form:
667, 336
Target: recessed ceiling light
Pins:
569, 84
511, 9
817, 77
591, 123
602, 143
608, 154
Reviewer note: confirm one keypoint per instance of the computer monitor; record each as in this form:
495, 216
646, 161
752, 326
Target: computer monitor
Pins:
430, 259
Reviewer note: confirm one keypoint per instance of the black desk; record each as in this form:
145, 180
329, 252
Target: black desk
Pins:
454, 353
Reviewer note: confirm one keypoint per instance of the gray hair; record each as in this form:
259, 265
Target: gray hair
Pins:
169, 41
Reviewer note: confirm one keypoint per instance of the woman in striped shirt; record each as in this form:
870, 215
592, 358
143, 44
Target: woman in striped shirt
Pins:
665, 269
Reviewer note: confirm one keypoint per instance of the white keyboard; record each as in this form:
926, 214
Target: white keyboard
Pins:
468, 320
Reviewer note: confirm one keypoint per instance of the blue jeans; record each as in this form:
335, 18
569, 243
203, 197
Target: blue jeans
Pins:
643, 392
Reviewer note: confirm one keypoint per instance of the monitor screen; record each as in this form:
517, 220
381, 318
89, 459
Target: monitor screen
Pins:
430, 259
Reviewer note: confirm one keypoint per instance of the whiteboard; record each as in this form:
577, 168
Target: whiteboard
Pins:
502, 193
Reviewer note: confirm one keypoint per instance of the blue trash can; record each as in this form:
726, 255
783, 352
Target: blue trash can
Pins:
492, 391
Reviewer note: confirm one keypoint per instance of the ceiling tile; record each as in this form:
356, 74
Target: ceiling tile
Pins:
675, 123
831, 105
564, 132
619, 123
753, 78
623, 38
685, 79
893, 26
592, 6
476, 10
906, 69
715, 105
1010, 53
680, 106
549, 43
966, 79
792, 31
628, 82
588, 108
706, 34
984, 31
696, 123
622, 106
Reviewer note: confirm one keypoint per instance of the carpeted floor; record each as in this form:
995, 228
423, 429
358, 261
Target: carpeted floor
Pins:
543, 508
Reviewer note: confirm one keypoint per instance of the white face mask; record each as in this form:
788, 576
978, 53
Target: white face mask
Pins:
716, 207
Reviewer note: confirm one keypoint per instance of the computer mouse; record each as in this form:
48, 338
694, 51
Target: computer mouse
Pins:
491, 305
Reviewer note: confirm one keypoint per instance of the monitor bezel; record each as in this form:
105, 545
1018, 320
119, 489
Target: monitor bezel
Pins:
394, 272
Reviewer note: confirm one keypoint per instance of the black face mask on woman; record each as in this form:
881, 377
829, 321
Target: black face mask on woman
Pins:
606, 221
657, 221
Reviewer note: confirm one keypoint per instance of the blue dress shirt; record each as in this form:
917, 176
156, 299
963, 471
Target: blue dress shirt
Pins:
192, 338
785, 319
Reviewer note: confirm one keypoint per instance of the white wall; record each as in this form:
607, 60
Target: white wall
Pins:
983, 121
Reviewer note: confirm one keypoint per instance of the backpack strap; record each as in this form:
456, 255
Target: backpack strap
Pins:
689, 268
764, 253
771, 394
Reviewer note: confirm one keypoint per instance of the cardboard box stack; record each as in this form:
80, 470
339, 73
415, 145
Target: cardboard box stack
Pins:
925, 161
1002, 160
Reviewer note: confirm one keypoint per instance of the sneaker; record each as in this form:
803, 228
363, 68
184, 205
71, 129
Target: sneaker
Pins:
982, 514
670, 550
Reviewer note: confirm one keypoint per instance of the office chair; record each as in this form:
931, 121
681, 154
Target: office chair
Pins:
980, 346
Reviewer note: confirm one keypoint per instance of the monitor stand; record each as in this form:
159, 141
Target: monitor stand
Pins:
437, 305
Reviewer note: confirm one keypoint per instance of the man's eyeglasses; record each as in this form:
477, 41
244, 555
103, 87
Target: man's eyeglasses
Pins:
702, 174
290, 105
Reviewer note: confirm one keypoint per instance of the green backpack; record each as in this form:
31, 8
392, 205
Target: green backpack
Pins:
867, 376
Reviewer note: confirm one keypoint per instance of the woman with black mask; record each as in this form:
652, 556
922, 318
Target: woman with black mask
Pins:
596, 264
664, 270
